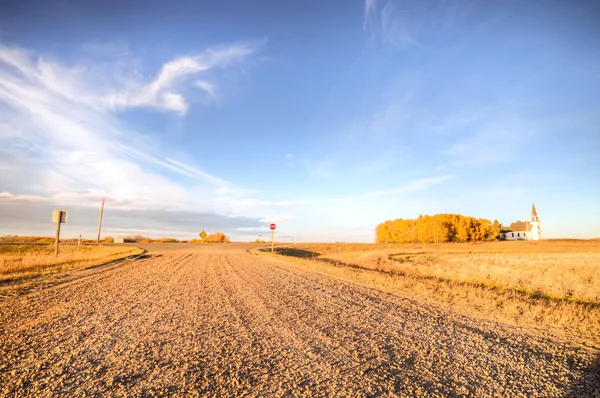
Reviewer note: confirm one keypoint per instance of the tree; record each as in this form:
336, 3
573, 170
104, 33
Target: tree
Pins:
496, 228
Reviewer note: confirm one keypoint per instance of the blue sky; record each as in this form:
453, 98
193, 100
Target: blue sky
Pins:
324, 117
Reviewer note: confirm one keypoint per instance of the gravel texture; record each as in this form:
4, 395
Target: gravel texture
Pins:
217, 321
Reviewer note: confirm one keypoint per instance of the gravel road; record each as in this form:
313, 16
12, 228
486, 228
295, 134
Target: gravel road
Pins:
217, 321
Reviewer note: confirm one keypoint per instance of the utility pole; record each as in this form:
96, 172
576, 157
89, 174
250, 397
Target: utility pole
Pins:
100, 221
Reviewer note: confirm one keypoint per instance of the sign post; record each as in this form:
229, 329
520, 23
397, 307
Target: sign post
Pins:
58, 217
202, 235
100, 221
272, 226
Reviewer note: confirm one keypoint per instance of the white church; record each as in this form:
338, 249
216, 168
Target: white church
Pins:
524, 230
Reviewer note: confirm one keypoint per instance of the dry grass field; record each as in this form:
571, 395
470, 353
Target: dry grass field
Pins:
553, 285
23, 262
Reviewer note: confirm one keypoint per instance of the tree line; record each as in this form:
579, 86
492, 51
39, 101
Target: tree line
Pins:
439, 228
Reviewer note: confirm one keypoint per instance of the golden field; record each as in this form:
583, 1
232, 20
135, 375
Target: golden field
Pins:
21, 262
548, 285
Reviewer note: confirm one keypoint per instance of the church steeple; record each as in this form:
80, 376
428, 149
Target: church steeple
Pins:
534, 216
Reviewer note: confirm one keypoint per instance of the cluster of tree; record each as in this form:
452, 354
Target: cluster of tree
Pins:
218, 237
26, 239
143, 239
438, 228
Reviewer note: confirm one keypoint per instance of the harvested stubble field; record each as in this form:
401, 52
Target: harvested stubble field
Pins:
214, 320
552, 286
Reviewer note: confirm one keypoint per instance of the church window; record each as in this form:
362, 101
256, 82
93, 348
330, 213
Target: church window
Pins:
518, 234
513, 234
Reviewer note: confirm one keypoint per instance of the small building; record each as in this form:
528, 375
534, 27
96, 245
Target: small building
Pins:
119, 240
524, 230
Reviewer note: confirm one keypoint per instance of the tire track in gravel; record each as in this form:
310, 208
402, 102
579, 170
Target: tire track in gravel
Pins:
295, 312
209, 321
261, 314
317, 324
248, 343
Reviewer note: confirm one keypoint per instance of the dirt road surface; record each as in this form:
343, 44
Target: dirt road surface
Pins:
214, 320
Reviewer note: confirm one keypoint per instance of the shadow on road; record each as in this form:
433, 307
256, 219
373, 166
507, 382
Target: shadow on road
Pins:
589, 384
308, 255
288, 251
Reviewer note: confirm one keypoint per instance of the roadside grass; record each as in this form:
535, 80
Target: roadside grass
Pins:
557, 276
23, 262
545, 285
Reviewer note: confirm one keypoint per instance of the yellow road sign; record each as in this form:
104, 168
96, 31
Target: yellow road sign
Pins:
203, 234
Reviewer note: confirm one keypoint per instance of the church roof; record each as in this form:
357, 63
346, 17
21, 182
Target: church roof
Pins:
520, 226
533, 211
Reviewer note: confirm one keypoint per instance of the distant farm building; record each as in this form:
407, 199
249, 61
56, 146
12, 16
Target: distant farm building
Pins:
524, 230
119, 240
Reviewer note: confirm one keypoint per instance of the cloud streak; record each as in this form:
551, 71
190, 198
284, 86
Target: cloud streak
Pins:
403, 25
162, 93
384, 21
412, 186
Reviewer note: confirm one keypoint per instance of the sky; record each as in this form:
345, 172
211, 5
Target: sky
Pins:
325, 118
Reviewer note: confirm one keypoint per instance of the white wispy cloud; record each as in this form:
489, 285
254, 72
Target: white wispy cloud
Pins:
411, 186
385, 21
162, 93
290, 159
209, 88
253, 229
277, 218
370, 14
505, 192
322, 168
394, 28
253, 206
61, 141
500, 138
401, 25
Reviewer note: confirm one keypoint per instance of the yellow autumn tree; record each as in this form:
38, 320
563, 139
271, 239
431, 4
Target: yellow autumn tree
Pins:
438, 228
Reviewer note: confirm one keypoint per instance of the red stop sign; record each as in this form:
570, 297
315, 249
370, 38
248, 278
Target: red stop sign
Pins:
273, 226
